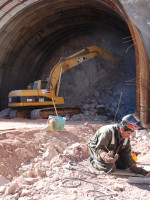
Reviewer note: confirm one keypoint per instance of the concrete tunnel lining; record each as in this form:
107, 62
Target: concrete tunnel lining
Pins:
23, 35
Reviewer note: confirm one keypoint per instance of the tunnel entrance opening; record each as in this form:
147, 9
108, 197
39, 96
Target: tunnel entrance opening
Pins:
49, 31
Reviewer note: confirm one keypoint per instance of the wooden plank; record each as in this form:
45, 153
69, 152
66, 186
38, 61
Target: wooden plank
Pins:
139, 180
124, 172
7, 129
7, 132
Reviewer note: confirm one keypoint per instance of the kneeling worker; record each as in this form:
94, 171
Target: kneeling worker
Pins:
110, 147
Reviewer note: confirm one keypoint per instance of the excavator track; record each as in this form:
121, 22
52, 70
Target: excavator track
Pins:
13, 114
19, 114
43, 113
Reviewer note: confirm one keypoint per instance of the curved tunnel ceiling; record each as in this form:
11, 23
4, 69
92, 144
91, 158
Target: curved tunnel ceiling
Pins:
31, 33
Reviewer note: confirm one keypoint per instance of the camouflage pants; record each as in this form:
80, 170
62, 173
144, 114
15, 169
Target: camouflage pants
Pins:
99, 164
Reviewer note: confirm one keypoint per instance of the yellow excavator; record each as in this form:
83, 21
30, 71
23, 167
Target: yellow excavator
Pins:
44, 93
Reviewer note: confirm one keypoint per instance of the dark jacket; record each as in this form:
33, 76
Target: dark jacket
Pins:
107, 139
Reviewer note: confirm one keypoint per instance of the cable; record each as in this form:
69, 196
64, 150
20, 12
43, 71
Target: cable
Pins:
70, 166
65, 179
102, 194
80, 179
118, 106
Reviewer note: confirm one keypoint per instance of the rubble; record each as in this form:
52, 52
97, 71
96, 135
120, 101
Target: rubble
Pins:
54, 165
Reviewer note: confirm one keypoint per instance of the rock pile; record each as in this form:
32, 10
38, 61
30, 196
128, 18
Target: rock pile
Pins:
110, 103
65, 154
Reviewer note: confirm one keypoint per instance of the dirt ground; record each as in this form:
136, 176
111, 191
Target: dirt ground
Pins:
40, 165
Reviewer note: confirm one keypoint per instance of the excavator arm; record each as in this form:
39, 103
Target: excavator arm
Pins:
74, 60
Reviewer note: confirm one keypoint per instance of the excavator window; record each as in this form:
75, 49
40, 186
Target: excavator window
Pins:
35, 85
43, 84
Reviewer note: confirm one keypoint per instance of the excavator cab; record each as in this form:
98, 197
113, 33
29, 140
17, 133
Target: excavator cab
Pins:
40, 84
37, 85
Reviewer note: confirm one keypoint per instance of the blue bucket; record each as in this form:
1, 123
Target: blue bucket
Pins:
59, 123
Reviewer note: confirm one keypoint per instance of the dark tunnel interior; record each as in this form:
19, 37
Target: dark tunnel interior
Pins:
38, 36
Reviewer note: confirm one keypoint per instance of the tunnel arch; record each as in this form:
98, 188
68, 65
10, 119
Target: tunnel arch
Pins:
34, 30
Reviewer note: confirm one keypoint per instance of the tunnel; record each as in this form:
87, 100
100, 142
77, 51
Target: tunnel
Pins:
34, 35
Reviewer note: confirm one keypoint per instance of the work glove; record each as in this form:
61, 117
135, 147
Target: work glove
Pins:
108, 158
139, 170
